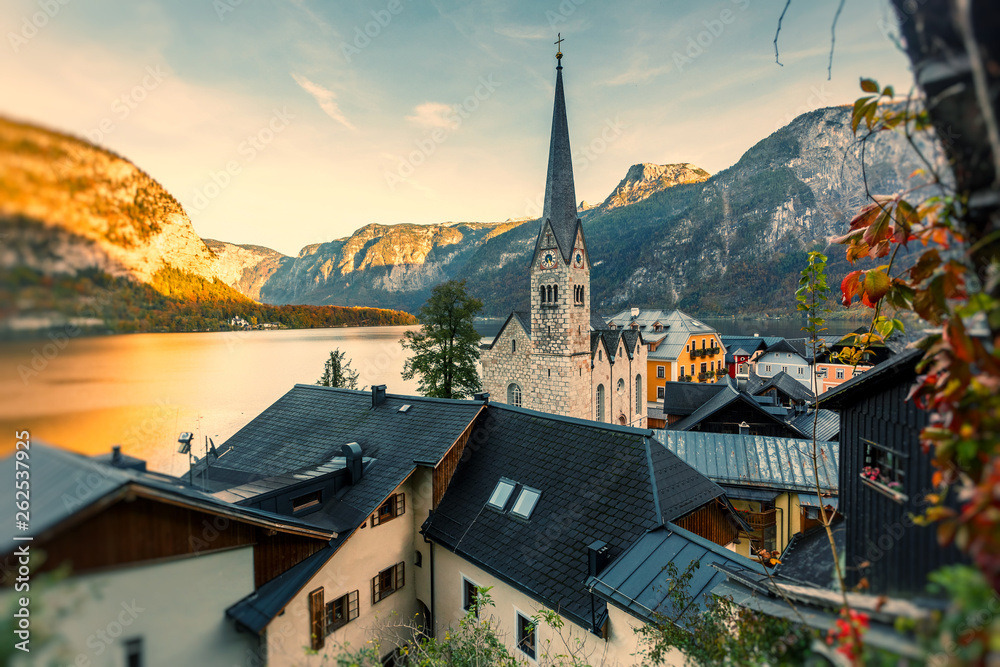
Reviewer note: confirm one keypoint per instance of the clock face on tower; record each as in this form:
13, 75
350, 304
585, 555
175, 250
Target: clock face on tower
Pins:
578, 258
548, 259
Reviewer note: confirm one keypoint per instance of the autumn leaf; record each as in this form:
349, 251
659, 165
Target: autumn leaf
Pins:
869, 85
850, 286
876, 284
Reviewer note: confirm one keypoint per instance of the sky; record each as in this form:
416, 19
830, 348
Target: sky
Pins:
293, 122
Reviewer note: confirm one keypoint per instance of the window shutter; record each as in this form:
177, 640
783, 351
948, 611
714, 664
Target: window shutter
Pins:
375, 590
400, 503
317, 617
399, 576
352, 605
375, 519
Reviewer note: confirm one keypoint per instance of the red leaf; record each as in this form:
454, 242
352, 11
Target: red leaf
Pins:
850, 286
876, 285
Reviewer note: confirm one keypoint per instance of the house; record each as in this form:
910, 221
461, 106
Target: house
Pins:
788, 357
749, 348
779, 389
680, 399
548, 510
885, 476
558, 358
151, 560
769, 480
681, 348
367, 466
734, 411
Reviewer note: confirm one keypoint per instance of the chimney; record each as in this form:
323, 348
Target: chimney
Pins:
635, 312
482, 396
378, 395
355, 469
116, 455
597, 558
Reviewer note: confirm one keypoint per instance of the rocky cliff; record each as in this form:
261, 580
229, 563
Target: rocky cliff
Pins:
66, 205
645, 179
245, 267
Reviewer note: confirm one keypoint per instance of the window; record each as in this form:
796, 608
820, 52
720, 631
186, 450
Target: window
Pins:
840, 373
341, 611
306, 501
801, 371
692, 369
659, 391
784, 369
525, 503
470, 596
741, 369
418, 558
661, 371
681, 369
621, 386
526, 635
541, 293
501, 494
513, 345
599, 356
703, 343
514, 394
704, 367
555, 292
600, 403
711, 366
638, 394
133, 652
767, 368
395, 505
387, 582
884, 468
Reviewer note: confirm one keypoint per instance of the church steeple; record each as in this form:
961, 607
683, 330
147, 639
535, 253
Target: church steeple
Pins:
560, 193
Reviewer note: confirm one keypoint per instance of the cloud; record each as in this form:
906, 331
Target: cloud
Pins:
325, 98
638, 72
431, 114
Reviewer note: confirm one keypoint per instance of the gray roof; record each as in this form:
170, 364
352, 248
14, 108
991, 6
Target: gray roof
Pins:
637, 581
807, 557
784, 383
560, 194
861, 386
757, 460
523, 318
597, 482
683, 398
65, 484
611, 337
678, 326
827, 424
722, 400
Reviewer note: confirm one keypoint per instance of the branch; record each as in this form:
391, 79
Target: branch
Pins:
833, 39
778, 31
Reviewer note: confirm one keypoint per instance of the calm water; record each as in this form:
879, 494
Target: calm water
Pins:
142, 390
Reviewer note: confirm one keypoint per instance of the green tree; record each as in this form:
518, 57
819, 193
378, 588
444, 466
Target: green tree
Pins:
446, 348
337, 372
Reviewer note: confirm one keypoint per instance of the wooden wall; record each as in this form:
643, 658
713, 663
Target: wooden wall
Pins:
446, 467
711, 522
879, 529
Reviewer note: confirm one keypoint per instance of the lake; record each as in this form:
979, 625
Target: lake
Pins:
142, 390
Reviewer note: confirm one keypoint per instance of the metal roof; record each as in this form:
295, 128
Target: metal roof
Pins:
683, 398
678, 326
637, 581
749, 493
756, 460
827, 424
784, 383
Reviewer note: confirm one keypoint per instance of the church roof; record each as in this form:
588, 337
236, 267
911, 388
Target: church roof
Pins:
560, 193
630, 339
519, 315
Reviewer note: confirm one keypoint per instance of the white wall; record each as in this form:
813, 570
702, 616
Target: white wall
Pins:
177, 607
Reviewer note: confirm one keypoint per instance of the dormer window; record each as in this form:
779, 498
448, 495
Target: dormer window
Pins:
394, 506
306, 501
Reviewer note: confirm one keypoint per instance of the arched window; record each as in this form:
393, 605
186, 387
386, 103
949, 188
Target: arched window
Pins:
600, 402
622, 420
621, 386
638, 394
541, 292
555, 292
581, 293
513, 345
514, 394
548, 293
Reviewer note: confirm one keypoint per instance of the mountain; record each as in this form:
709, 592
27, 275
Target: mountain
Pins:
644, 180
66, 206
92, 241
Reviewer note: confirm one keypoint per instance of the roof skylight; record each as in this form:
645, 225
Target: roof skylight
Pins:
501, 494
525, 503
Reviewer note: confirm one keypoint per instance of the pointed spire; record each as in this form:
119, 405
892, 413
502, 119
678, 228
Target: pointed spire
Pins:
560, 194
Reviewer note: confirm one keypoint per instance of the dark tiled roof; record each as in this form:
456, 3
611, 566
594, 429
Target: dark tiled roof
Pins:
560, 194
637, 581
597, 482
525, 320
861, 386
786, 384
808, 558
757, 460
309, 425
597, 323
683, 398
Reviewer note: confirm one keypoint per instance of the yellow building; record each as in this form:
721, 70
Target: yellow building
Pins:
681, 348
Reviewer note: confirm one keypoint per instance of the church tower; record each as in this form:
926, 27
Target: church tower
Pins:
560, 266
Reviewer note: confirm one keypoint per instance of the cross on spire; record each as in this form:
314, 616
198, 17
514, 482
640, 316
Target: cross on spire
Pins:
558, 44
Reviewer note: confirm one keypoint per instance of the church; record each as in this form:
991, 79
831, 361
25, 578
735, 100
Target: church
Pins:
559, 357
